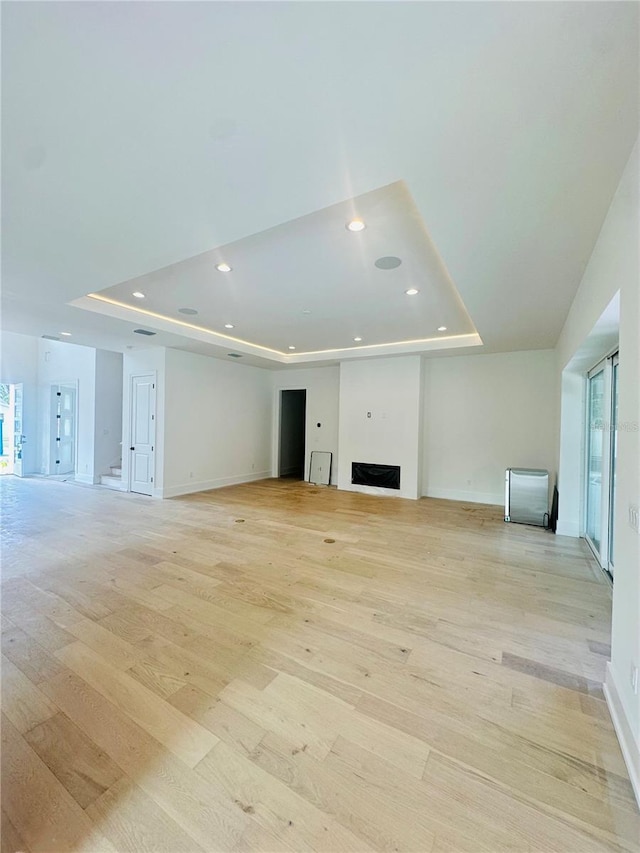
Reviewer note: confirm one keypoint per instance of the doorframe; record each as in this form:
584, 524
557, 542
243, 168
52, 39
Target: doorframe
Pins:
133, 376
72, 383
275, 432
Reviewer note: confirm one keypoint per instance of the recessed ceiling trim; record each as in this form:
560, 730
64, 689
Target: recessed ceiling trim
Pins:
124, 312
384, 350
104, 305
449, 342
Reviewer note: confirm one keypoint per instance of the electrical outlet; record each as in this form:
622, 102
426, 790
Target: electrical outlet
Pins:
634, 518
633, 676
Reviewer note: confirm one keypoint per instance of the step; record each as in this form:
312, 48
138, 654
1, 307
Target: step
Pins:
116, 471
111, 482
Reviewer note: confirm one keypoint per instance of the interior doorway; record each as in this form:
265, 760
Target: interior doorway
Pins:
293, 414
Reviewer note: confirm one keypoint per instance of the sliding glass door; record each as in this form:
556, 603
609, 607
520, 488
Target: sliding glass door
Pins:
601, 460
594, 458
614, 456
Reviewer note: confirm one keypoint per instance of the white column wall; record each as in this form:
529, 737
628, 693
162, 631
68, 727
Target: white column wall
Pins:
390, 391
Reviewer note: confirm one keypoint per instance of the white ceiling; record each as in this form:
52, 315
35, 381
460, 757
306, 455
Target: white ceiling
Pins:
481, 142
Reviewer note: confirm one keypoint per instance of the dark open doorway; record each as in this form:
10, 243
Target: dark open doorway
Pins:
293, 408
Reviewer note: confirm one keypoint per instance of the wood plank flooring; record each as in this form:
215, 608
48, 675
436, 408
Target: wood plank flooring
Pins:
279, 666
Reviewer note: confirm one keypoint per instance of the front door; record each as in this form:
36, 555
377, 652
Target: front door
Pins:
63, 429
143, 429
18, 438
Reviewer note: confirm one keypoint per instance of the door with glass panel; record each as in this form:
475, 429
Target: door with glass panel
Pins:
601, 459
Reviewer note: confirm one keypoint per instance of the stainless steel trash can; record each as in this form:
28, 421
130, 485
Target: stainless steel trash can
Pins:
526, 496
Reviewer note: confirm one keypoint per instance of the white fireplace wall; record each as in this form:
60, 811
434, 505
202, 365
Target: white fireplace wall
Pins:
380, 420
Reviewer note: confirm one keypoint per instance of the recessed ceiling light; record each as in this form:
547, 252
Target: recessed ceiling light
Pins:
66, 334
223, 267
190, 311
442, 328
388, 262
291, 347
228, 325
412, 291
357, 339
306, 311
356, 225
138, 295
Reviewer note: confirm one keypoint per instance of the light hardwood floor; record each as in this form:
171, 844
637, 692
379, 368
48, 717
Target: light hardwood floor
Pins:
278, 666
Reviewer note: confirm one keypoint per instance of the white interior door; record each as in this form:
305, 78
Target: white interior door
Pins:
18, 438
63, 429
143, 431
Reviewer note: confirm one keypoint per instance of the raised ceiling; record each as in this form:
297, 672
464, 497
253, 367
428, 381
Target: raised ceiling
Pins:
309, 289
141, 141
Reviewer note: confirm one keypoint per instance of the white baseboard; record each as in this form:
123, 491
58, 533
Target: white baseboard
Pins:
493, 498
85, 479
630, 749
204, 486
569, 529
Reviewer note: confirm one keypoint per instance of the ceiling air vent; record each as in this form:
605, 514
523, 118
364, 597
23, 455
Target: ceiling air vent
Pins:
142, 332
50, 338
234, 355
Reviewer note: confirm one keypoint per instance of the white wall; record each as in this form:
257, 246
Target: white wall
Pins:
68, 364
217, 423
20, 365
108, 414
391, 390
138, 362
614, 265
323, 386
484, 414
572, 453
